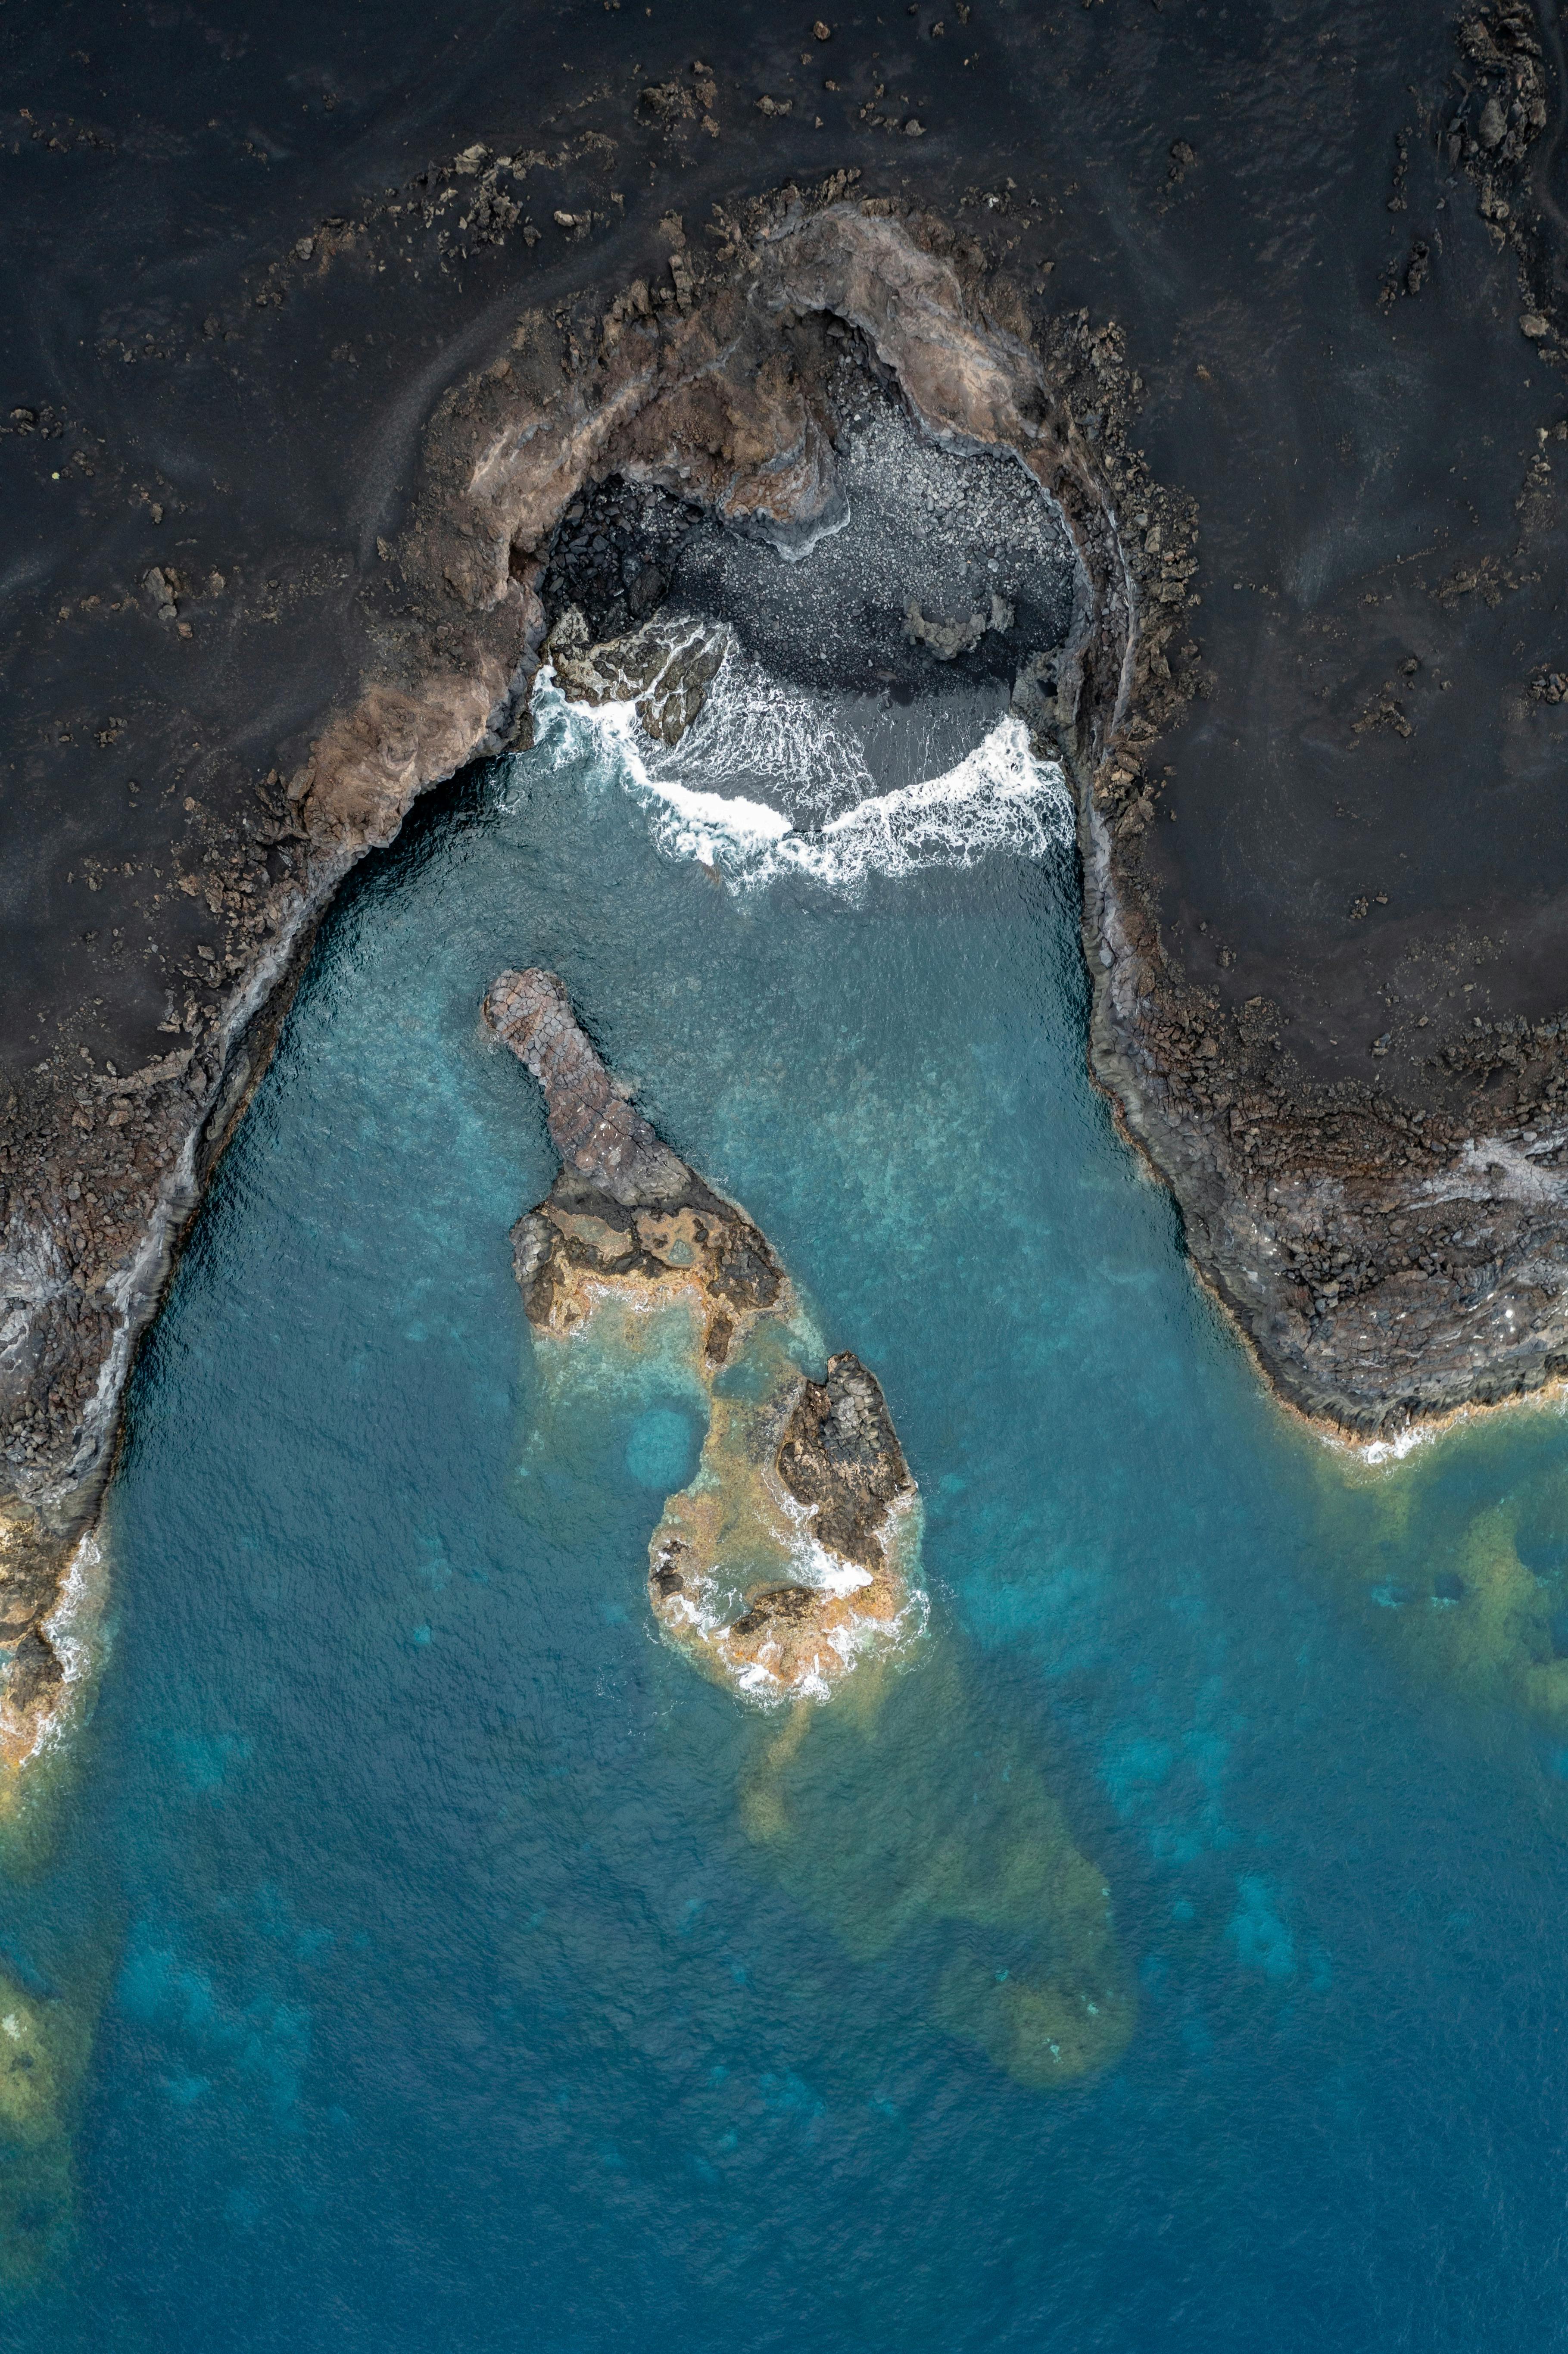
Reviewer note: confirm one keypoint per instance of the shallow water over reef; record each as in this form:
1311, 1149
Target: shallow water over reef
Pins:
1163, 1951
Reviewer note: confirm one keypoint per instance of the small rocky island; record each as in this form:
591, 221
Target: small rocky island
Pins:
791, 1551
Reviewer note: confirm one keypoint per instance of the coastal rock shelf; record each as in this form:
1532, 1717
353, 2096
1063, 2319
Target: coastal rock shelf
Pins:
31, 1572
793, 1548
664, 669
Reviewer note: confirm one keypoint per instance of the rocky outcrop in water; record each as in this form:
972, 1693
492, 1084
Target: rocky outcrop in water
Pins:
664, 669
31, 1570
795, 1473
840, 1457
950, 639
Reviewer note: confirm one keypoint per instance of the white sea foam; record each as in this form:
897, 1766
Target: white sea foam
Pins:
72, 1623
752, 725
811, 1564
1377, 1452
74, 1631
998, 798
850, 1640
832, 1575
1380, 1454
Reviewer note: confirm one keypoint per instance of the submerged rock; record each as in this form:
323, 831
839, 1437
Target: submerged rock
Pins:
44, 2042
969, 1885
33, 1572
665, 668
791, 1550
948, 639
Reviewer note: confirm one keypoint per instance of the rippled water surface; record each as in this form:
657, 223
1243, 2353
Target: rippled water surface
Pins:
419, 1954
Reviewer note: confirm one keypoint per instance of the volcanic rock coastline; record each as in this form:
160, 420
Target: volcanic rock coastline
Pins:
663, 670
720, 397
1389, 1251
796, 1469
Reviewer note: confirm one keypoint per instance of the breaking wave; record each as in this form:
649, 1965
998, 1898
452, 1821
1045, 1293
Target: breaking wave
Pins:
753, 726
999, 797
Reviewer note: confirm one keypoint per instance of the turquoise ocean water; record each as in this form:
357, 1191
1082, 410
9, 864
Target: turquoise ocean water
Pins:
430, 1958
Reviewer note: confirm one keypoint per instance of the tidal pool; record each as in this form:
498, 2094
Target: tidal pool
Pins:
1163, 1950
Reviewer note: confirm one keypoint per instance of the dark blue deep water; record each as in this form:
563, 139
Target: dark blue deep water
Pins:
442, 1993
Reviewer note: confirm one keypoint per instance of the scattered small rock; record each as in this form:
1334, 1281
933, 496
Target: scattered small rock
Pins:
947, 640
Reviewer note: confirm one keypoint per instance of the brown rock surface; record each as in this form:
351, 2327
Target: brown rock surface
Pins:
840, 1456
801, 1471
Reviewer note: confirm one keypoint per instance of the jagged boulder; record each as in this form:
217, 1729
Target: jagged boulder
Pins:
665, 668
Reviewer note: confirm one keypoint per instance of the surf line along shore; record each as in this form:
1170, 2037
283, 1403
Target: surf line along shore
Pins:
1294, 1209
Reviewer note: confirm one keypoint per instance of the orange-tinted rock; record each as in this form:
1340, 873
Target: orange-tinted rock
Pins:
790, 1550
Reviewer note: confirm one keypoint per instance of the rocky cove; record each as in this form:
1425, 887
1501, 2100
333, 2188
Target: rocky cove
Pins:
1387, 1255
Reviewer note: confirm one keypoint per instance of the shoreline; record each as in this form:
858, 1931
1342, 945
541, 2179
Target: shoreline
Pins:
671, 396
1237, 1218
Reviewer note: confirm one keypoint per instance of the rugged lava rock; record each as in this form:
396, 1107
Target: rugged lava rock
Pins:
840, 1456
615, 554
664, 669
795, 1469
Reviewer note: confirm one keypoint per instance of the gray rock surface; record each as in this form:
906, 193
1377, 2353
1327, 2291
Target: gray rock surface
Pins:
596, 1131
664, 668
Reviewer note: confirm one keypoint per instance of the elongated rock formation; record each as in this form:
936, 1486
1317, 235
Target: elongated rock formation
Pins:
789, 1553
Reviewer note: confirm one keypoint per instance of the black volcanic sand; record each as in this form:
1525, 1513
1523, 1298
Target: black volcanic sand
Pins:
964, 543
242, 271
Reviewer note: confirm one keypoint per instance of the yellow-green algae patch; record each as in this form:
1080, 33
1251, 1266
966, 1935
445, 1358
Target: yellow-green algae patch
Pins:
45, 2045
744, 1577
1460, 1551
41, 1714
907, 1818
